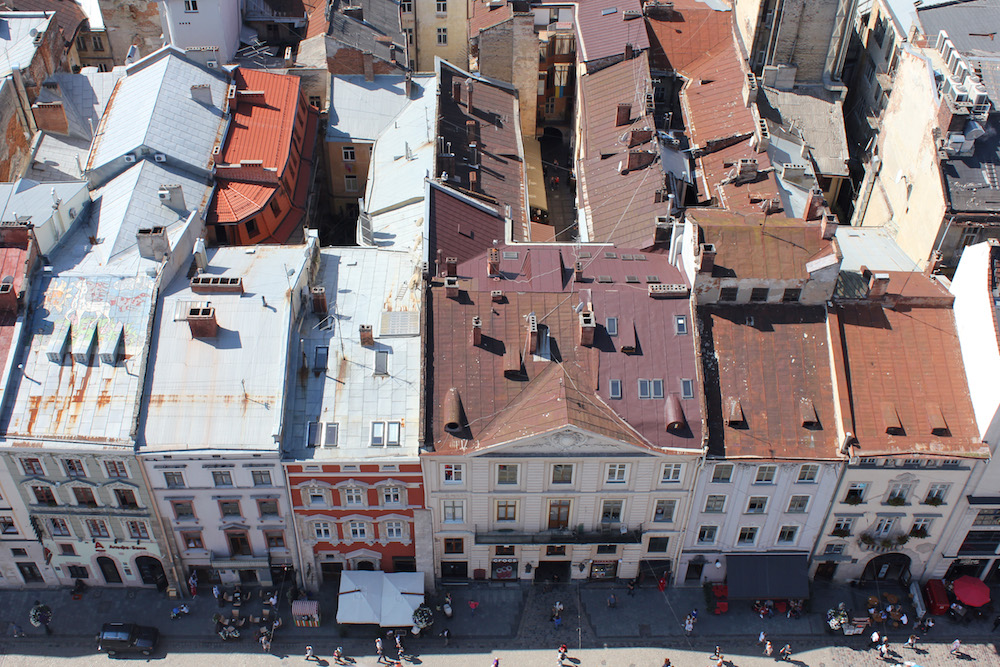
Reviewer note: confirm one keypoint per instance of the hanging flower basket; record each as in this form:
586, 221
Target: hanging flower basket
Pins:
40, 615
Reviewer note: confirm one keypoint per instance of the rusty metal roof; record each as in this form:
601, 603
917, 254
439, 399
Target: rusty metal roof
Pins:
606, 26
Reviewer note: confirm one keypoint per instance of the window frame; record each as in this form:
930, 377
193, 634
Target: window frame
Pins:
563, 467
769, 478
175, 504
790, 509
274, 538
223, 476
170, 479
503, 477
442, 36
349, 153
747, 536
190, 6
687, 388
115, 469
227, 504
75, 469
354, 496
671, 473
756, 505
707, 534
259, 480
611, 326
357, 530
614, 388
454, 546
804, 470
609, 514
729, 477
680, 325
137, 529
505, 510
616, 473
794, 534
452, 511
455, 471
101, 525
261, 508
713, 504
32, 467
394, 530
351, 183
321, 530
660, 515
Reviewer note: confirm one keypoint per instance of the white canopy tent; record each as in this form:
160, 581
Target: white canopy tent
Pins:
388, 599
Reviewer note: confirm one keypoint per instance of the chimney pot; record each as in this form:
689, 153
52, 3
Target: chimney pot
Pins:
451, 287
532, 334
319, 300
588, 326
477, 331
496, 296
815, 204
367, 337
451, 266
578, 271
707, 258
472, 131
202, 322
468, 92
878, 283
368, 63
624, 114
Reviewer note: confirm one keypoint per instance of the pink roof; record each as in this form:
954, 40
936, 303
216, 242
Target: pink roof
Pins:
604, 31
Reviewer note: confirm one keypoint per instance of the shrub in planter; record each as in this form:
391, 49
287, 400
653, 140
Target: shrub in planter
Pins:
933, 501
886, 543
918, 533
867, 539
902, 539
896, 501
840, 532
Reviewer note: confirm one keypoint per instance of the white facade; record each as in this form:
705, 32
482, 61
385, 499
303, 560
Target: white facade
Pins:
194, 24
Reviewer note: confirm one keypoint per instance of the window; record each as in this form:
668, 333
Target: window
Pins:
7, 526
651, 389
317, 497
617, 473
43, 495
230, 508
85, 497
748, 535
222, 478
868, 461
855, 493
126, 498
322, 433
381, 362
687, 388
798, 504
611, 511
555, 550
791, 295
353, 496
765, 474
174, 480
275, 206
267, 507
671, 473
59, 528
454, 545
315, 101
67, 550
97, 528
757, 504
950, 463
453, 511
898, 492
350, 183
728, 294
833, 549
261, 477
506, 510
322, 530
409, 34
442, 36
453, 473
441, 6
358, 530
32, 467
18, 552
378, 434
884, 526
706, 534
844, 525
275, 539
715, 503
183, 509
562, 473
137, 530
97, 42
607, 548
787, 534
664, 511
349, 155
78, 572
116, 469
611, 324
921, 526
406, 6
681, 324
758, 294
615, 389
936, 494
190, 5
980, 541
808, 472
192, 540
504, 551
658, 544
390, 495
722, 472
251, 227
394, 530
507, 473
74, 468
81, 43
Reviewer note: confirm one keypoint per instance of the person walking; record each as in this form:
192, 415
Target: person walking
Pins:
557, 621
661, 584
883, 651
16, 630
666, 662
310, 655
631, 587
399, 647
688, 626
955, 646
761, 638
379, 650
768, 648
785, 652
338, 655
446, 633
473, 605
911, 642
612, 601
874, 639
718, 652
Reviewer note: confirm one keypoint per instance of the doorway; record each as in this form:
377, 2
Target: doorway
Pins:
553, 570
248, 576
558, 514
825, 571
966, 566
30, 573
109, 570
888, 567
151, 572
693, 573
365, 565
330, 572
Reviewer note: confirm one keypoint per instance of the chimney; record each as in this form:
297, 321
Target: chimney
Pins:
472, 131
624, 114
934, 263
368, 63
172, 196
477, 331
496, 296
637, 137
456, 91
468, 92
451, 266
493, 264
319, 300
448, 162
707, 258
366, 335
512, 363
814, 204
408, 85
629, 52
201, 93
828, 224
578, 271
473, 180
532, 334
51, 117
878, 283
749, 89
8, 297
152, 243
203, 283
202, 321
452, 412
639, 159
588, 326
451, 287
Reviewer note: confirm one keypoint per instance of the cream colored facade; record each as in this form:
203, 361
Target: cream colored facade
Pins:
511, 512
436, 28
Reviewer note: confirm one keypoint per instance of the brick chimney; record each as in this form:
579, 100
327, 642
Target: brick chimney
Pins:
366, 335
368, 63
456, 91
474, 180
451, 287
637, 137
202, 322
878, 283
201, 93
51, 117
319, 300
452, 410
532, 334
624, 114
451, 266
8, 298
472, 131
707, 258
578, 271
828, 224
152, 242
493, 263
814, 204
588, 326
477, 331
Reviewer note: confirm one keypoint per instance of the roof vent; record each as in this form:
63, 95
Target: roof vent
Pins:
366, 335
452, 412
674, 413
493, 263
59, 343
205, 284
890, 417
629, 14
83, 350
153, 243
666, 291
129, 158
578, 272
807, 413
735, 416
496, 296
113, 345
202, 321
159, 157
936, 418
319, 300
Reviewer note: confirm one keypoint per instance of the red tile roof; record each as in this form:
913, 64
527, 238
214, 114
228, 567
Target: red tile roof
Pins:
317, 22
603, 31
483, 15
622, 207
717, 170
902, 366
773, 368
572, 388
691, 31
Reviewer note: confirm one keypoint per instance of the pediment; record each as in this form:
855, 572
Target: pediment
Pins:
565, 442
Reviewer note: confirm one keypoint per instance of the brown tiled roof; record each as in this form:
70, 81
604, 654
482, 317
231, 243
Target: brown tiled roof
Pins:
903, 367
691, 31
483, 16
69, 14
622, 206
459, 228
773, 369
712, 98
602, 35
717, 169
766, 248
539, 281
501, 173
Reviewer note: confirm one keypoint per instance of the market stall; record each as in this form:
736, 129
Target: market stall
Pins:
386, 599
305, 613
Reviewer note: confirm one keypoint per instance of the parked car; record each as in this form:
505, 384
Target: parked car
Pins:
118, 638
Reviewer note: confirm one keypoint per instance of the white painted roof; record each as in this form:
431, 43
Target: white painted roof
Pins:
360, 110
379, 288
33, 200
18, 31
873, 247
84, 97
92, 8
226, 392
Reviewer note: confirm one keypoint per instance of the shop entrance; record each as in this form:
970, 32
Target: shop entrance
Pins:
109, 570
888, 567
151, 572
553, 570
966, 566
694, 572
825, 571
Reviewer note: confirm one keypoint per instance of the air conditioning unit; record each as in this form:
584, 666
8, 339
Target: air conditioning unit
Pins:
129, 158
630, 14
160, 157
212, 64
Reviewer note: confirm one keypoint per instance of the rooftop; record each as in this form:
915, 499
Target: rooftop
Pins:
343, 380
228, 390
379, 31
31, 201
604, 28
775, 394
873, 247
69, 13
816, 115
16, 261
460, 226
620, 202
970, 182
485, 14
507, 391
17, 37
83, 96
686, 34
965, 22
360, 110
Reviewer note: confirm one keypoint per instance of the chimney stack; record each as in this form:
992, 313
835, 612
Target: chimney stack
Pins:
814, 204
368, 63
578, 271
8, 297
878, 283
493, 264
639, 159
934, 264
201, 93
588, 326
629, 52
468, 92
477, 331
367, 337
152, 243
451, 287
532, 334
319, 300
707, 258
473, 180
472, 131
456, 91
452, 412
202, 322
408, 85
451, 266
624, 114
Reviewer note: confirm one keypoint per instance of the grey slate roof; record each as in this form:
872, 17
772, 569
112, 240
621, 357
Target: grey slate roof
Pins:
17, 41
968, 179
84, 97
33, 199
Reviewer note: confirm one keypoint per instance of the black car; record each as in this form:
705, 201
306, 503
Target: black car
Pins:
127, 638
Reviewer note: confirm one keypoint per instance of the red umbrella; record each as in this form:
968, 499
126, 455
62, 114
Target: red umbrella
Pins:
971, 591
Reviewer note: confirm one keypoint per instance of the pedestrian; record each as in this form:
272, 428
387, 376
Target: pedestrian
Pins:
496, 662
473, 605
874, 639
310, 655
399, 646
16, 630
904, 619
996, 623
662, 583
218, 595
694, 615
446, 633
631, 587
193, 584
955, 645
379, 650
612, 601
912, 641
338, 655
688, 626
666, 662
883, 651
761, 638
785, 653
557, 608
557, 621
265, 643
768, 649
718, 652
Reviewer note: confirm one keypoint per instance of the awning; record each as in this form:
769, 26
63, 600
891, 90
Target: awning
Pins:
537, 197
767, 576
240, 563
388, 599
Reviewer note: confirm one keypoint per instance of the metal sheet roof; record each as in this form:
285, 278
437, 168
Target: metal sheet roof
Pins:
33, 199
360, 109
84, 97
971, 25
17, 37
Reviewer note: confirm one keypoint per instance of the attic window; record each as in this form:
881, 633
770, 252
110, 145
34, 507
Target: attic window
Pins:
604, 279
585, 255
807, 412
626, 258
639, 258
938, 425
736, 418
631, 279
609, 11
507, 254
610, 255
893, 426
652, 279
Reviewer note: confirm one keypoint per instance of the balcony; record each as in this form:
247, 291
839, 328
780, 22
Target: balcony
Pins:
611, 535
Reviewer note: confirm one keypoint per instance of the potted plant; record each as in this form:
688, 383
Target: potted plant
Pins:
902, 539
867, 539
919, 533
840, 532
886, 543
853, 500
896, 501
933, 501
